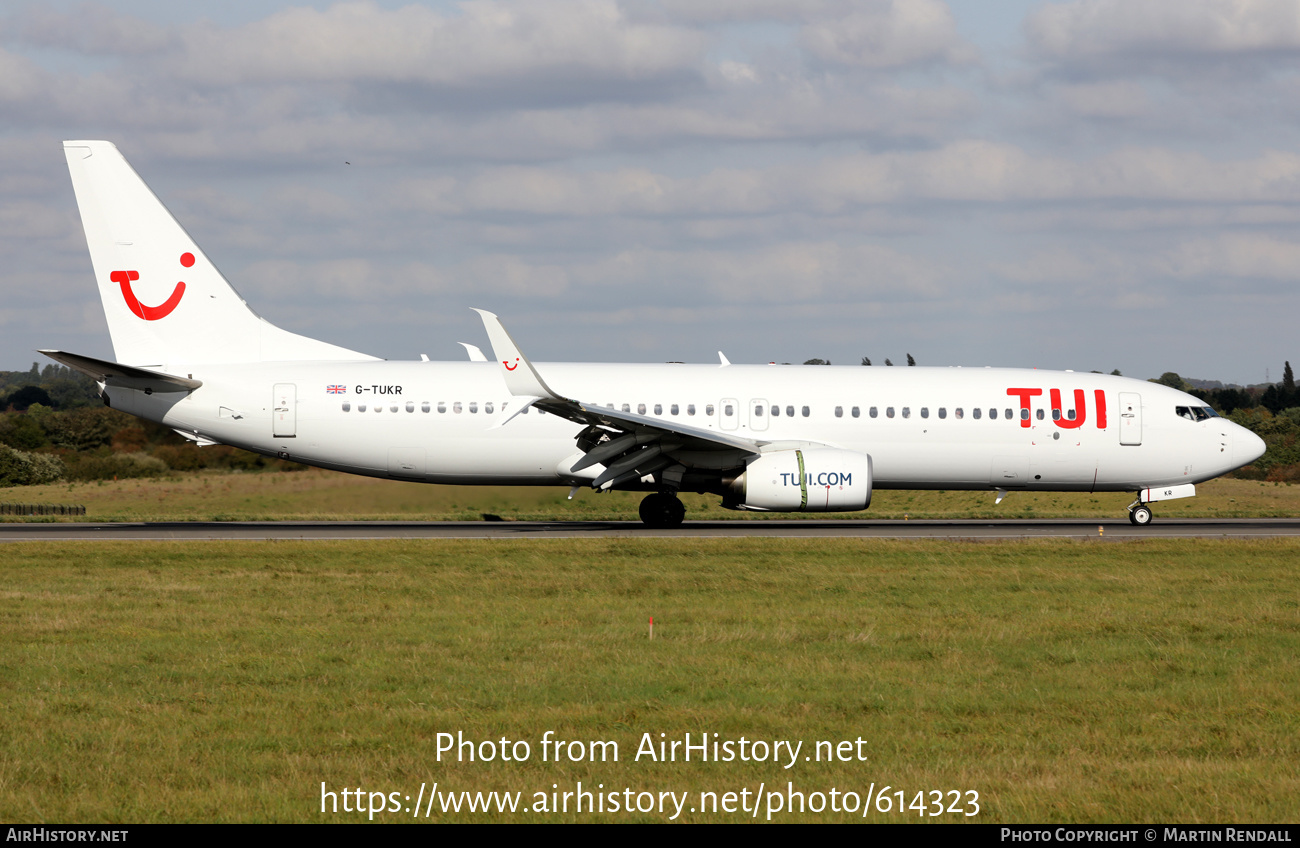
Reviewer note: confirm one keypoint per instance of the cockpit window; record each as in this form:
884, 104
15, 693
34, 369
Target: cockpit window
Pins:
1194, 413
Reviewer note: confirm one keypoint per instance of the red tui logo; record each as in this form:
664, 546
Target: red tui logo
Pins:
150, 313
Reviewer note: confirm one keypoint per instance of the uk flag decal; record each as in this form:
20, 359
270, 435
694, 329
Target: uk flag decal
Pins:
337, 390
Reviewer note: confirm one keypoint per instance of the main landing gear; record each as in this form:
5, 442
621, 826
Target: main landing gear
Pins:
662, 509
1139, 514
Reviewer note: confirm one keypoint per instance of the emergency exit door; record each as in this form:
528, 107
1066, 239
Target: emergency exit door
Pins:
284, 410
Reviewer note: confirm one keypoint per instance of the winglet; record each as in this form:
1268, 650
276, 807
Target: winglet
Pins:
722, 358
521, 377
475, 355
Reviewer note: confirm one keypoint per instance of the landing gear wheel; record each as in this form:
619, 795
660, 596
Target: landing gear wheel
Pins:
662, 509
1140, 516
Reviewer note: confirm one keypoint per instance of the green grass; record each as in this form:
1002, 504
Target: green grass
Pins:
315, 494
1070, 681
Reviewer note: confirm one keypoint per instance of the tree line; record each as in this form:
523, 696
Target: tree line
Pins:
55, 427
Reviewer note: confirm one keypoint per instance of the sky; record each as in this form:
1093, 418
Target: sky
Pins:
1091, 184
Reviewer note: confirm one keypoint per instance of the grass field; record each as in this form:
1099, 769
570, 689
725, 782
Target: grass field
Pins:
316, 494
1147, 681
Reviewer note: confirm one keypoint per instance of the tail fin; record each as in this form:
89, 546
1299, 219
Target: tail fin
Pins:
165, 302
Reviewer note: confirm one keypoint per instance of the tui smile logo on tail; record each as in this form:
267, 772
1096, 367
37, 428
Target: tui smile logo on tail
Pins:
150, 313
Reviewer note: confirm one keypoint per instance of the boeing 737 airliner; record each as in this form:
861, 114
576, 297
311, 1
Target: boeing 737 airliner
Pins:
190, 354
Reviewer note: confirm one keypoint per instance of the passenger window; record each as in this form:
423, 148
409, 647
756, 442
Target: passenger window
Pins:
473, 407
488, 407
424, 407
708, 410
856, 412
347, 407
1056, 414
673, 409
839, 412
993, 412
776, 411
627, 408
455, 407
410, 406
361, 407
1009, 414
957, 413
690, 409
889, 412
392, 408
1070, 414
442, 406
907, 412
925, 412
640, 409
758, 410
728, 410
1024, 414
1041, 415
805, 412
789, 412
659, 409
976, 412
872, 412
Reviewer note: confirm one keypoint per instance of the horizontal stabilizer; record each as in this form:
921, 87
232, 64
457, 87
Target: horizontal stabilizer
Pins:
128, 376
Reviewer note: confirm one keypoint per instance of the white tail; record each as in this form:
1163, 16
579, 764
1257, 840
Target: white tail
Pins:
166, 304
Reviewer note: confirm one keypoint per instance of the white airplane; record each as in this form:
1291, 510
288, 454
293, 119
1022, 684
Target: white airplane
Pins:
193, 356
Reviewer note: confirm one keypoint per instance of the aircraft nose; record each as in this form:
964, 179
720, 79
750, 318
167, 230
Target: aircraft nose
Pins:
1246, 446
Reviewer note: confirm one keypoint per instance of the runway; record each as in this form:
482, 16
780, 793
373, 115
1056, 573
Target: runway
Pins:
960, 530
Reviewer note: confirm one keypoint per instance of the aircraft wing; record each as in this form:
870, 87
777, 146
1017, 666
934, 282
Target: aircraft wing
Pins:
130, 376
628, 445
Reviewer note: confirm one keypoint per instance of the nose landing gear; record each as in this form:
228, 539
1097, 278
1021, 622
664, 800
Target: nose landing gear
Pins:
1139, 514
662, 509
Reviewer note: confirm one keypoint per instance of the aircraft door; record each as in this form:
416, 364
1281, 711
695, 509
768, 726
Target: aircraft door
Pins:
758, 414
284, 410
1130, 418
729, 413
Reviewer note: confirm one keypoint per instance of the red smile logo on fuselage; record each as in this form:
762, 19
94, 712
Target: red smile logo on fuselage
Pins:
150, 313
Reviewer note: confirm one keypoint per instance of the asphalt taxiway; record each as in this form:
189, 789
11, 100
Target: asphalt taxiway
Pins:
971, 530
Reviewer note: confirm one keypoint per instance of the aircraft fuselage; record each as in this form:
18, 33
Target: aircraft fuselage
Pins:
936, 428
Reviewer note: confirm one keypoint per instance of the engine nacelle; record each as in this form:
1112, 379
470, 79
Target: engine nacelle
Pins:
813, 480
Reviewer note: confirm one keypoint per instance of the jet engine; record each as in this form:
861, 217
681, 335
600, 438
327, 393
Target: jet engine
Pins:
811, 480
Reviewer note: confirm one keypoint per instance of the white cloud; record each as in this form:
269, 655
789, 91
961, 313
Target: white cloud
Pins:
20, 78
488, 44
1112, 99
92, 29
888, 34
1143, 30
1236, 256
